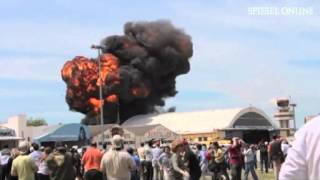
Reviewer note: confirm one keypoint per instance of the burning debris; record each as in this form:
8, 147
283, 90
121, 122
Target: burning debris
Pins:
138, 72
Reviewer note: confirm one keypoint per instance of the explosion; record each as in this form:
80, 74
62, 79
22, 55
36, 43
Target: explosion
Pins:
138, 71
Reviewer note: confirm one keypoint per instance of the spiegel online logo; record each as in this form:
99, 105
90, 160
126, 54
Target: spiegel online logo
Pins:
280, 11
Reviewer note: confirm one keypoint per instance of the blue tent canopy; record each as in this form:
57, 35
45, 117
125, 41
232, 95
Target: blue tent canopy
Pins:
66, 132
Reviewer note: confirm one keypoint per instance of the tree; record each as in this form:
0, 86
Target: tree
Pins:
36, 122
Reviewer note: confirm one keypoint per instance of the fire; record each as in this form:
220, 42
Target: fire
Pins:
79, 63
82, 77
138, 72
96, 104
109, 65
112, 98
141, 91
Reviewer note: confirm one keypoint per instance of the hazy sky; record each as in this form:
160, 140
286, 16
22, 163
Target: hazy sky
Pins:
239, 59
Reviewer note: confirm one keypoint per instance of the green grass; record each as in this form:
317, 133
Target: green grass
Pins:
265, 176
261, 176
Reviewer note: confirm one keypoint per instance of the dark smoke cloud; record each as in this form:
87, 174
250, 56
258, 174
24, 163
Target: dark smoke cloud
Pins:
151, 55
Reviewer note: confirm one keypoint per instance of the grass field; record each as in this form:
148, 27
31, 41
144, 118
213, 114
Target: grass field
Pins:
264, 176
261, 176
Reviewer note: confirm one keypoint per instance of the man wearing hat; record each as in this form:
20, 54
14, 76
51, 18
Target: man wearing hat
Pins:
23, 166
117, 163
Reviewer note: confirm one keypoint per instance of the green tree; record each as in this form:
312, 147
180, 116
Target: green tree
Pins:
36, 122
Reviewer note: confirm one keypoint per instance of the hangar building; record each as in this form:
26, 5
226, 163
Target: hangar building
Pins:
249, 123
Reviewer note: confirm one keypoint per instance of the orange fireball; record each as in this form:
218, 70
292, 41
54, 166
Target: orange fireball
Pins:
82, 77
112, 98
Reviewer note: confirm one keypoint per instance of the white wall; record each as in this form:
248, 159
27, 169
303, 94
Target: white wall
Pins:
19, 124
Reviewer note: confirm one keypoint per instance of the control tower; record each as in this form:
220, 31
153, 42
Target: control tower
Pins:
286, 117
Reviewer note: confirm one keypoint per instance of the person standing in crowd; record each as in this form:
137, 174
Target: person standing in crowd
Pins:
179, 170
14, 154
156, 152
83, 150
43, 172
4, 158
142, 157
192, 162
235, 158
166, 164
198, 150
302, 161
134, 173
60, 164
148, 171
285, 146
204, 162
269, 155
23, 166
254, 149
91, 161
276, 156
104, 148
219, 160
226, 157
263, 148
76, 158
117, 164
203, 151
36, 156
249, 162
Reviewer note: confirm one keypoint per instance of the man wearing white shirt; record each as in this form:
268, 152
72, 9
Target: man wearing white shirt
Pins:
36, 156
285, 146
148, 161
302, 161
156, 152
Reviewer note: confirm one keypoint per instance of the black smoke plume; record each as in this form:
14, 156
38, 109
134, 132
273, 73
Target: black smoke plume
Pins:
151, 55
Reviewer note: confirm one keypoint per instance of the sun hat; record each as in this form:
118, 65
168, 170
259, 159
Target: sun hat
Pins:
175, 144
117, 141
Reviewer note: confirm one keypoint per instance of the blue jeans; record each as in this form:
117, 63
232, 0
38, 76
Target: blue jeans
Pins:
249, 166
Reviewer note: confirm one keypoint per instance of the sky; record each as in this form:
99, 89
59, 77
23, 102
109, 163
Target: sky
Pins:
239, 59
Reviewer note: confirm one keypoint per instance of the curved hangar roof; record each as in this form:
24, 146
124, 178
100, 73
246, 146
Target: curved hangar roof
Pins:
65, 132
207, 121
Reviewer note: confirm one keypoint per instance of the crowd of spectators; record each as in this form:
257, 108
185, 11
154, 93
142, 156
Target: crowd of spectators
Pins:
153, 160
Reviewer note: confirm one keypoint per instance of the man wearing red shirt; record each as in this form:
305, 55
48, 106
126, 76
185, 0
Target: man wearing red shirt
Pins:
235, 158
91, 161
